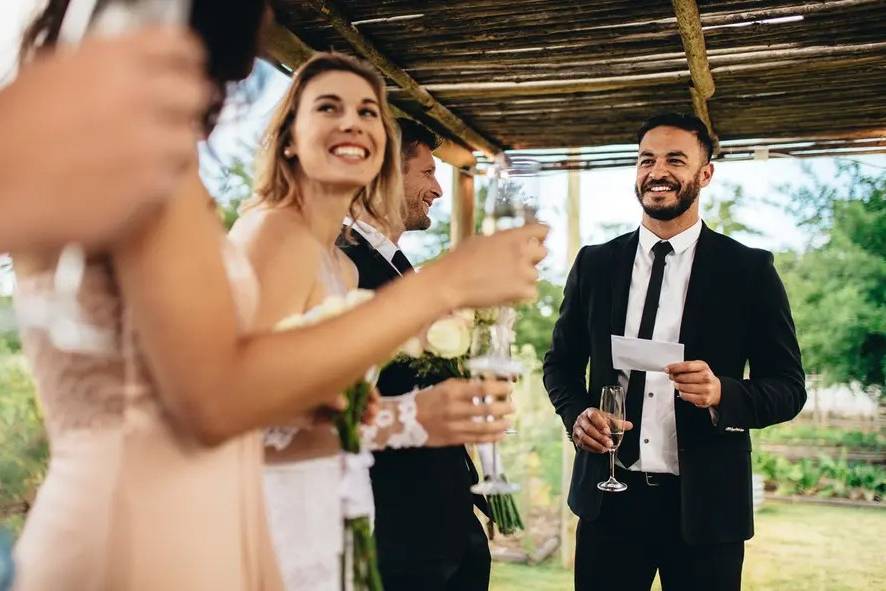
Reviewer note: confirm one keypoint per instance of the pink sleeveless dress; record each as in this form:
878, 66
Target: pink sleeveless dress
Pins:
131, 502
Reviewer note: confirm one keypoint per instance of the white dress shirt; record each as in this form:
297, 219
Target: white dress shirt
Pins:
376, 239
658, 429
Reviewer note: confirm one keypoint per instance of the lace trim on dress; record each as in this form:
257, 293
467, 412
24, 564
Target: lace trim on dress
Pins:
381, 433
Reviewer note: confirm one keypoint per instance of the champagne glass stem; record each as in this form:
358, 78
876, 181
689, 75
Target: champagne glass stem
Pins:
612, 463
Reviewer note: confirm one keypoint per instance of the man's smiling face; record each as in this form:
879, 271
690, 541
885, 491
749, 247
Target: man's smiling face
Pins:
672, 167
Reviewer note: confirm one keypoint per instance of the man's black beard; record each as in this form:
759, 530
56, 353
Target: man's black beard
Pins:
686, 196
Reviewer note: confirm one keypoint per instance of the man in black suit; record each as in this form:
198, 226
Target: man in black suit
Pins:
428, 536
685, 455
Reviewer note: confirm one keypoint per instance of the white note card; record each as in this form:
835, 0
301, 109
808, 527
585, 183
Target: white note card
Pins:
644, 354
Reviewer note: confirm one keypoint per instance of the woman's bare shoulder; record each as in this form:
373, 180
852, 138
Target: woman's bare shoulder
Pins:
270, 234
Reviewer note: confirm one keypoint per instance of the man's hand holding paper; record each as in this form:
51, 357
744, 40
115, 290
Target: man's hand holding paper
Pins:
644, 354
696, 383
694, 380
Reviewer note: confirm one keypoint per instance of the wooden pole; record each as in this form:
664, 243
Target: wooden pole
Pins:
689, 23
462, 221
568, 521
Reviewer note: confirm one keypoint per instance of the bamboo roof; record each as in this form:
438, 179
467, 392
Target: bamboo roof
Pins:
801, 78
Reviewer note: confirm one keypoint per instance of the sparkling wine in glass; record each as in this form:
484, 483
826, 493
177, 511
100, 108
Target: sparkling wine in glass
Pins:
612, 405
490, 359
512, 198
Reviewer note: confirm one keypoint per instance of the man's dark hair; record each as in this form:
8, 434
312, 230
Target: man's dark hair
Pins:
683, 121
411, 135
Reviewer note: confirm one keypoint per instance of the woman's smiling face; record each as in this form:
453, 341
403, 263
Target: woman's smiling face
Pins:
338, 131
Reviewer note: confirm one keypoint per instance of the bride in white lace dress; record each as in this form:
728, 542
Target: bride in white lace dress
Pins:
331, 146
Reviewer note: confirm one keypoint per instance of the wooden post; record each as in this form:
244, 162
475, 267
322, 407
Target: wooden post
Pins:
462, 161
462, 221
568, 521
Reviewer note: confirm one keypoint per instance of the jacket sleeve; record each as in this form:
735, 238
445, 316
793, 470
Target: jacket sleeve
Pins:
565, 365
776, 388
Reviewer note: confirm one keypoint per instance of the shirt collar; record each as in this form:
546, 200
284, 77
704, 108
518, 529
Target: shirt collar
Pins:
376, 239
680, 242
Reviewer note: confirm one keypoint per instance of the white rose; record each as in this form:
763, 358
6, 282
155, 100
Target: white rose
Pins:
412, 348
467, 315
449, 338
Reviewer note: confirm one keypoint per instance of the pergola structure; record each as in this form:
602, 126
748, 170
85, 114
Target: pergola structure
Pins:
569, 82
546, 77
802, 78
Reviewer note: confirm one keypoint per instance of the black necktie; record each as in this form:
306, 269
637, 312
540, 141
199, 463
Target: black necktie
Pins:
629, 451
400, 261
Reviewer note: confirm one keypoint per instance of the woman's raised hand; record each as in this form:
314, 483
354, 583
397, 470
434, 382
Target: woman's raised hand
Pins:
456, 411
491, 270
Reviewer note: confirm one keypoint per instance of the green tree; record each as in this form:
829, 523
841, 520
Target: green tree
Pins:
23, 446
837, 286
535, 321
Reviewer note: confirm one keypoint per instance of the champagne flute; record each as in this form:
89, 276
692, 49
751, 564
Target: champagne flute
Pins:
489, 359
612, 405
511, 201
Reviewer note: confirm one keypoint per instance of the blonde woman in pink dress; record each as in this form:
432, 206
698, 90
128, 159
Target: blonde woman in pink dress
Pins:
155, 470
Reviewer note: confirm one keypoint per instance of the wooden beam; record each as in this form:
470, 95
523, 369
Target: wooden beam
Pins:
432, 108
456, 155
689, 24
700, 107
808, 59
284, 47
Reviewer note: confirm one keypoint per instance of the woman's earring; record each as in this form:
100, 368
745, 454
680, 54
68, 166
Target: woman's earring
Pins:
287, 153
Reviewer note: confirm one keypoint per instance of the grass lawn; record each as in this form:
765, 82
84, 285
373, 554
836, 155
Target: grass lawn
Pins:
808, 547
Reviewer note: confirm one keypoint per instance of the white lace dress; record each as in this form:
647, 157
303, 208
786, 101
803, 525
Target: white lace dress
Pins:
307, 501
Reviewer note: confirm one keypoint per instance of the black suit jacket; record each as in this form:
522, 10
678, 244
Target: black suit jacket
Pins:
736, 312
418, 491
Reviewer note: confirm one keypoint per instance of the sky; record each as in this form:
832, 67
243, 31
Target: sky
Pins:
607, 196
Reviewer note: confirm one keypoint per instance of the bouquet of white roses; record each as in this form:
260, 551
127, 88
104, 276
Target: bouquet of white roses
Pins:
447, 347
358, 531
443, 350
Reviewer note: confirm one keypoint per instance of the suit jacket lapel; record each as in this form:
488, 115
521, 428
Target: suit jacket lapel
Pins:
377, 257
693, 422
623, 268
621, 272
699, 281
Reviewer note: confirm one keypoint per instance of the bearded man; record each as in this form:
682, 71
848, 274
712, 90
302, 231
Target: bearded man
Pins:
685, 455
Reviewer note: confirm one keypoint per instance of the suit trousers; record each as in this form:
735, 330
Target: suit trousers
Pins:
638, 533
471, 573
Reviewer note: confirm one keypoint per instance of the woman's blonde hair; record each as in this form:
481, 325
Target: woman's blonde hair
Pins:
276, 184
